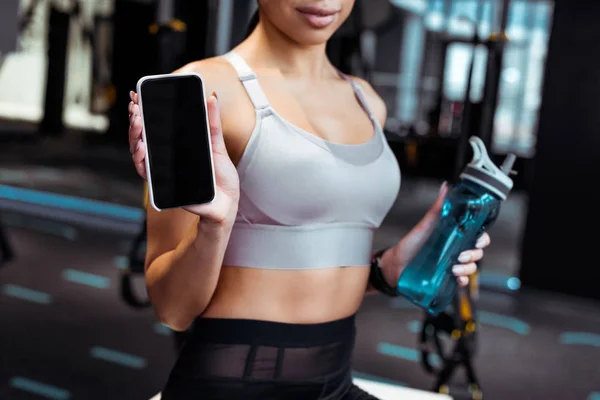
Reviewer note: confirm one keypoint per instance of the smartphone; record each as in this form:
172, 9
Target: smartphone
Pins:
175, 129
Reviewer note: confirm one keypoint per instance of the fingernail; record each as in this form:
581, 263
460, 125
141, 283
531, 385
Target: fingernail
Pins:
463, 280
464, 257
480, 242
131, 95
137, 146
458, 269
443, 186
216, 97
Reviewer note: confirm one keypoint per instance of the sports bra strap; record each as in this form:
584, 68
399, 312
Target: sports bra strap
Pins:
358, 92
248, 79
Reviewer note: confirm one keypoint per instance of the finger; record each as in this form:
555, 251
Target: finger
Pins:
416, 238
427, 223
138, 156
135, 133
133, 96
463, 281
483, 241
141, 170
464, 269
439, 202
139, 152
136, 98
470, 256
130, 108
214, 121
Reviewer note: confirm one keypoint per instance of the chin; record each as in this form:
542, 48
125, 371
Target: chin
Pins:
311, 37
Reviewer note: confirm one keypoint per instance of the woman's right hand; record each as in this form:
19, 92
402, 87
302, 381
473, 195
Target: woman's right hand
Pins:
224, 205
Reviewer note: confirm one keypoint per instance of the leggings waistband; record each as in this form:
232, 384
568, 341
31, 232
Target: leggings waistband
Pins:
269, 333
267, 351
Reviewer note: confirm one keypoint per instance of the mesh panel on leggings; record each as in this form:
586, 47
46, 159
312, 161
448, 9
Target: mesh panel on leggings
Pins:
314, 362
262, 362
212, 360
247, 360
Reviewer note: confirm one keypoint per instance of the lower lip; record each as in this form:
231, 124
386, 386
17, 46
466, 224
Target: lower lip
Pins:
318, 21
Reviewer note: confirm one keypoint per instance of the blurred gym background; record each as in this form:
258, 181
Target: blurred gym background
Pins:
524, 75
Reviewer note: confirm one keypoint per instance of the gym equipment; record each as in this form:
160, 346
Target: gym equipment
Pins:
135, 265
132, 20
458, 325
470, 208
58, 39
6, 250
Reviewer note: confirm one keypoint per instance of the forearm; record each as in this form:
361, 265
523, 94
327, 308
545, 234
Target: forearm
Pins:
182, 282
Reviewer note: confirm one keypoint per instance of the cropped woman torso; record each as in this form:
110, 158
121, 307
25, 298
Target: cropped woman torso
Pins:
317, 177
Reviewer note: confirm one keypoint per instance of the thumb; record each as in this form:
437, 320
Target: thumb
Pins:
427, 223
214, 122
436, 207
416, 238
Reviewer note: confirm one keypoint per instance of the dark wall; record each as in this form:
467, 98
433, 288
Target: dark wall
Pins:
561, 246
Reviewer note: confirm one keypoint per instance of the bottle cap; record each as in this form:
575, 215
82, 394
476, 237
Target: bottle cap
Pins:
484, 172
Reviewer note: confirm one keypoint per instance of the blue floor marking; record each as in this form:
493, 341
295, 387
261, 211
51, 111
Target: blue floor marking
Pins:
375, 378
499, 280
85, 278
594, 396
162, 329
504, 321
71, 203
121, 262
583, 338
415, 326
41, 389
117, 357
23, 293
404, 353
398, 351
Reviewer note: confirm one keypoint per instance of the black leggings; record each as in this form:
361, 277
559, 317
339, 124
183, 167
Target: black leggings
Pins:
234, 359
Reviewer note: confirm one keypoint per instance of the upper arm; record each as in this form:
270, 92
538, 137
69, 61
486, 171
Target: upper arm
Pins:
375, 102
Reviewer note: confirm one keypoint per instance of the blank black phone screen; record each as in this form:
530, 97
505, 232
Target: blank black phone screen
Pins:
177, 140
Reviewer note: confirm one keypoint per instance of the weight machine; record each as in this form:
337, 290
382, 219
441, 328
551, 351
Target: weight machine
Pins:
459, 325
6, 250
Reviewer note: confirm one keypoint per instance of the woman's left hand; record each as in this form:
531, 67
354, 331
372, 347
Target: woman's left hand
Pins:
397, 258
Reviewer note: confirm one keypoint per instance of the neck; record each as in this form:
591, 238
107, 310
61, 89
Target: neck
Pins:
268, 48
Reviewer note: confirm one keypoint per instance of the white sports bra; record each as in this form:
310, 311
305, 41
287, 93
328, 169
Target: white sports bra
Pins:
306, 202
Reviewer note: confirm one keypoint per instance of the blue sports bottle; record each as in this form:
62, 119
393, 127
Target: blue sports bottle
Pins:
470, 208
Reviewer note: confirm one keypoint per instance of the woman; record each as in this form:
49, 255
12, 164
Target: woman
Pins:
272, 272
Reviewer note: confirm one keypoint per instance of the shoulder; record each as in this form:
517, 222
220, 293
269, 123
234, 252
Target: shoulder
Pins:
216, 72
376, 103
236, 112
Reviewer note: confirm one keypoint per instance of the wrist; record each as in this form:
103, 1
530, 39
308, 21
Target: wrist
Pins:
216, 229
390, 266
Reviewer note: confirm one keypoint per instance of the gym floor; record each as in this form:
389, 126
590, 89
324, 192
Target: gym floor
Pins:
66, 333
